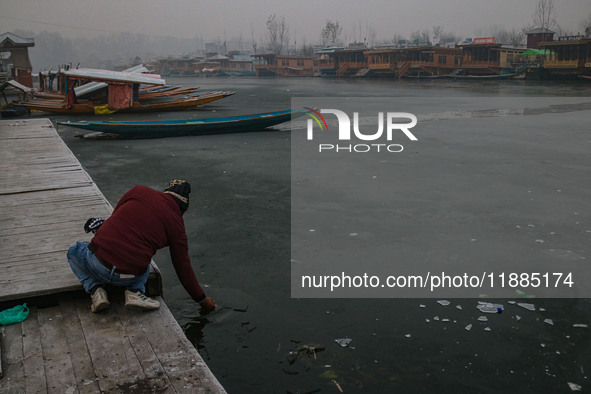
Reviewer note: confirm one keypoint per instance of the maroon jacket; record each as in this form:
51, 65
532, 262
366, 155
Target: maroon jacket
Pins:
144, 221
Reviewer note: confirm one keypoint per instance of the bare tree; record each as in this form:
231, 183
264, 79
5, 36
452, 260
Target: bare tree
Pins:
331, 32
516, 37
442, 37
396, 38
419, 36
585, 25
513, 37
278, 32
254, 43
545, 15
437, 32
370, 37
307, 49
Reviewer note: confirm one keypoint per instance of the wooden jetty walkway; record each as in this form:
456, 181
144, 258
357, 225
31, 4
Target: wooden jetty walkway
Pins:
45, 198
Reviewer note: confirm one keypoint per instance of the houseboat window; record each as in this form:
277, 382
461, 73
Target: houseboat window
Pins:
442, 59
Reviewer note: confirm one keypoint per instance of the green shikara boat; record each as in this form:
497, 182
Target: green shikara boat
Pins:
185, 127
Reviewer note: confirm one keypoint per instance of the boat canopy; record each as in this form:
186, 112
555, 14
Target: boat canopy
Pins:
92, 87
113, 76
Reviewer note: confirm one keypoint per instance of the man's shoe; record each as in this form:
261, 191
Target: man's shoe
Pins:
138, 300
100, 302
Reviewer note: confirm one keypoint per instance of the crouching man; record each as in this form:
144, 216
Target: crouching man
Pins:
122, 248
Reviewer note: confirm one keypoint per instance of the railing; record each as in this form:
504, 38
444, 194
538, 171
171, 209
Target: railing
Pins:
561, 63
404, 67
379, 66
476, 64
342, 70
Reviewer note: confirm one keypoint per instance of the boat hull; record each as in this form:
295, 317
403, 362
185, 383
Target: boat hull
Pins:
171, 104
187, 127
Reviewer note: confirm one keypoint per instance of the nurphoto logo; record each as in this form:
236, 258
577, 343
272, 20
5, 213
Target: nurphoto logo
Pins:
346, 133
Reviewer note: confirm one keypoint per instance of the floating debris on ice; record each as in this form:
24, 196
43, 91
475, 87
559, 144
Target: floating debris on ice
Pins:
517, 317
549, 321
511, 302
408, 335
579, 325
483, 318
459, 307
486, 328
540, 241
468, 327
542, 344
428, 320
542, 309
487, 307
574, 386
529, 307
422, 306
443, 302
444, 319
344, 342
436, 318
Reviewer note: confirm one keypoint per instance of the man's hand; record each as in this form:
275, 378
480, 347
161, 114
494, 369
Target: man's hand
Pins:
208, 303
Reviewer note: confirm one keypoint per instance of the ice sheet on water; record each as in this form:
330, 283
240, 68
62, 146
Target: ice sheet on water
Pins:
487, 307
344, 342
529, 307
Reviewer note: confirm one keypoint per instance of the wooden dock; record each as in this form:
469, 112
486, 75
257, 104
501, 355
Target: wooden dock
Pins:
45, 198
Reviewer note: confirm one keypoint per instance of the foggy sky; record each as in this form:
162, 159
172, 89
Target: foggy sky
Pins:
219, 19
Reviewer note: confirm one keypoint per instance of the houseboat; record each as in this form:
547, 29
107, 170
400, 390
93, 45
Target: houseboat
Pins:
568, 57
485, 58
416, 62
273, 65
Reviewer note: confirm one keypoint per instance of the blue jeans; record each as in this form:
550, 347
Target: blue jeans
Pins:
92, 273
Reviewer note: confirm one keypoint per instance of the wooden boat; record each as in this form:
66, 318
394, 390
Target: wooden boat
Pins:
88, 107
484, 77
102, 91
185, 127
144, 94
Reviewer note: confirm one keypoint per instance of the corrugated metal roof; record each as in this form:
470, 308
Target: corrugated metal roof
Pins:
114, 76
539, 30
15, 39
15, 85
91, 87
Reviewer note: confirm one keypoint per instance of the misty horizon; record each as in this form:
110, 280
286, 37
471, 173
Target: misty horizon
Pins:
183, 27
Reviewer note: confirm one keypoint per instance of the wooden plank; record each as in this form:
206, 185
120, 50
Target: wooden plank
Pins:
153, 370
114, 360
85, 376
33, 355
21, 201
67, 348
26, 289
183, 365
26, 260
45, 198
59, 370
12, 353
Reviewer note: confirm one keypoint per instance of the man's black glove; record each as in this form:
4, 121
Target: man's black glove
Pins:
93, 224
